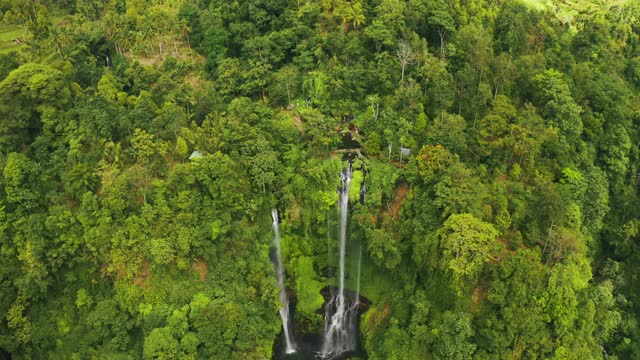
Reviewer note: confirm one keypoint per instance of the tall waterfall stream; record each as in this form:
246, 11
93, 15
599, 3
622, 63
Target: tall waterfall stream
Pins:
284, 298
341, 319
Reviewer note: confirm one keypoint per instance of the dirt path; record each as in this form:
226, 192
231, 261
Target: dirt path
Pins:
143, 275
401, 194
298, 122
201, 267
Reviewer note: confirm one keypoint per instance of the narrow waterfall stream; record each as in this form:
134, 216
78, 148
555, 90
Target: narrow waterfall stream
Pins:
340, 334
284, 298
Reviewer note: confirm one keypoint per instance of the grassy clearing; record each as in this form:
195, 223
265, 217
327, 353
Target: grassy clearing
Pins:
55, 20
536, 4
7, 36
568, 10
10, 32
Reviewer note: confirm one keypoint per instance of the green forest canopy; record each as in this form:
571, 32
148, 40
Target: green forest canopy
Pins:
510, 232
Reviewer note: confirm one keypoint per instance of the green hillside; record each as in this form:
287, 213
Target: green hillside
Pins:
455, 179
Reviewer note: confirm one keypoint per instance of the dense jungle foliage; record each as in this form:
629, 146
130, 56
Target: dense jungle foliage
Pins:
511, 231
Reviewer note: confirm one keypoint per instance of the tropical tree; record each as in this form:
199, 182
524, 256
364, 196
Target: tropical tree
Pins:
467, 244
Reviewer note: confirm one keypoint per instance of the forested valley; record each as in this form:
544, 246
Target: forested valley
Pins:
389, 179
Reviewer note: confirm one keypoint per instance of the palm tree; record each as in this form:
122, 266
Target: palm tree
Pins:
111, 24
59, 39
356, 13
184, 27
113, 29
124, 40
353, 13
145, 34
158, 25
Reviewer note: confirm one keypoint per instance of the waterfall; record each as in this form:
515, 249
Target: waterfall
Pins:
284, 298
358, 281
363, 193
340, 317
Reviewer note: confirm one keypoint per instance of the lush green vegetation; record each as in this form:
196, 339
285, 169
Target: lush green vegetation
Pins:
511, 231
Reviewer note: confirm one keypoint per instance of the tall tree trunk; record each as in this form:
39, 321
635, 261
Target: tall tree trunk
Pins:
59, 52
442, 34
477, 95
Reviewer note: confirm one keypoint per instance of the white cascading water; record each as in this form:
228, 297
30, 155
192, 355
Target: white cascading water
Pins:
284, 298
358, 281
340, 317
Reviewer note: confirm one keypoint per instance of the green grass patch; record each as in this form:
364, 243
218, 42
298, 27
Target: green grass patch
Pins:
7, 36
55, 20
536, 4
375, 283
568, 10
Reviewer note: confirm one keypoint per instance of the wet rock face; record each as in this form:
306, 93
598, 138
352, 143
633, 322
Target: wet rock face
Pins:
342, 330
309, 346
350, 295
